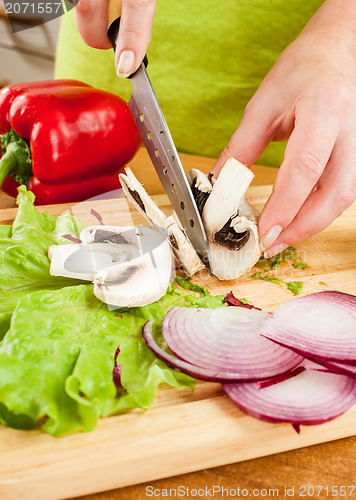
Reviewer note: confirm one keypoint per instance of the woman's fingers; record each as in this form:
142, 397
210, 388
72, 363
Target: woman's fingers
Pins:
336, 191
134, 36
308, 151
92, 19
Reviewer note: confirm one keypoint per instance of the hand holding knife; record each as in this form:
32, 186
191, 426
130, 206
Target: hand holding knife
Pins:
156, 137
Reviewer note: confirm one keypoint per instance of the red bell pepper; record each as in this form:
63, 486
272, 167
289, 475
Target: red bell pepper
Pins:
64, 139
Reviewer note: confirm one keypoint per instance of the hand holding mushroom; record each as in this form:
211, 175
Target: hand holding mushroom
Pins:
309, 98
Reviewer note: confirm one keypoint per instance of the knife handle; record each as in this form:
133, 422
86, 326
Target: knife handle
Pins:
114, 16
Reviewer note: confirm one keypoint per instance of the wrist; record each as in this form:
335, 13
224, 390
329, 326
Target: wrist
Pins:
333, 26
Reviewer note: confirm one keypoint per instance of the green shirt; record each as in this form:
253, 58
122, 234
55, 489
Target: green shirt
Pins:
206, 60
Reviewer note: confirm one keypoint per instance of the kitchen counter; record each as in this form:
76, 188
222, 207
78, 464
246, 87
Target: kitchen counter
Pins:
309, 472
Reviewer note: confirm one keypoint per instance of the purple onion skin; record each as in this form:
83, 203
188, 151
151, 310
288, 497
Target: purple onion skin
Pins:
231, 300
349, 391
117, 377
71, 238
280, 378
195, 371
117, 372
333, 365
275, 420
97, 216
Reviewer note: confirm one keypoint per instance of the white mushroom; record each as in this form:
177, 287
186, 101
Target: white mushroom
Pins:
230, 222
182, 248
137, 282
137, 195
129, 266
79, 261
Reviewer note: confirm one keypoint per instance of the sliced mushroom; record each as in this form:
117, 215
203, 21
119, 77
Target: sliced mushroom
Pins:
137, 282
138, 196
129, 266
182, 248
230, 222
79, 261
201, 187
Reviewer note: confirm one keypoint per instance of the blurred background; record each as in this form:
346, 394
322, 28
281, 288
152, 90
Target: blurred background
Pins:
27, 47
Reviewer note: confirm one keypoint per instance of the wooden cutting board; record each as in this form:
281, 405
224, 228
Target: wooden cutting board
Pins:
183, 431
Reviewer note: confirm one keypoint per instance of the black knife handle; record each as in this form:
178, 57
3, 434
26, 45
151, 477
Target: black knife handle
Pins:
114, 16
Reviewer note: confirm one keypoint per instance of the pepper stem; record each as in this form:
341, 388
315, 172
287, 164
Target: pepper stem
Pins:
16, 158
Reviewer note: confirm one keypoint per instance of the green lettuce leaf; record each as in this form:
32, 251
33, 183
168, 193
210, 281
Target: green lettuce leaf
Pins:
59, 342
5, 231
24, 265
56, 370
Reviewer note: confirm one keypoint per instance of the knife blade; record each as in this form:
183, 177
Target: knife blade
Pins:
159, 143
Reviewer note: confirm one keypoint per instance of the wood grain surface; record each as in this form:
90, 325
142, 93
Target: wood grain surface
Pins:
186, 432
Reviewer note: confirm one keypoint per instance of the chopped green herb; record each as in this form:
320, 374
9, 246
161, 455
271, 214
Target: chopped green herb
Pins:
266, 277
187, 285
300, 265
296, 287
322, 283
288, 255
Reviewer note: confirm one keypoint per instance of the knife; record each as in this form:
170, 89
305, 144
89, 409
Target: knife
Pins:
156, 137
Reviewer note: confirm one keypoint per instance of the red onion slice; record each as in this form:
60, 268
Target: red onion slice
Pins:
311, 397
184, 366
335, 367
226, 340
320, 325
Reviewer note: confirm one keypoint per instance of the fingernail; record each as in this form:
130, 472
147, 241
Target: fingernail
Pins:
268, 238
274, 250
125, 64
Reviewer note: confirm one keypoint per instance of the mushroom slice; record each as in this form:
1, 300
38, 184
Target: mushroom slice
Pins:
230, 222
201, 187
101, 247
122, 238
140, 281
129, 266
79, 261
137, 195
182, 248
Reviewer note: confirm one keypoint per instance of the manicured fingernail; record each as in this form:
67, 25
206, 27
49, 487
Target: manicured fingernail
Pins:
125, 64
274, 250
268, 238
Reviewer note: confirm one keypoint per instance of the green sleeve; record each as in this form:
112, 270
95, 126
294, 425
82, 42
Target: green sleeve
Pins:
206, 60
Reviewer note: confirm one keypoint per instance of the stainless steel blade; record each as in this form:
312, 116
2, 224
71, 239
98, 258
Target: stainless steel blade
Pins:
162, 151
